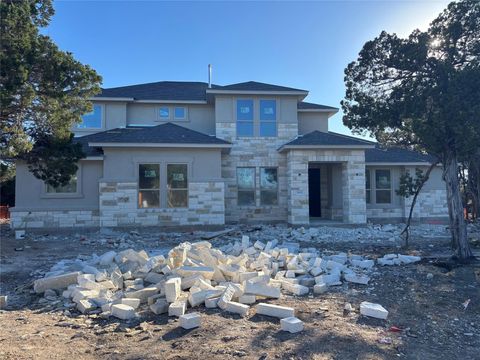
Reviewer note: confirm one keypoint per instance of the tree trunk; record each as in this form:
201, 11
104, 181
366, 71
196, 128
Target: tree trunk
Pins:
458, 227
406, 230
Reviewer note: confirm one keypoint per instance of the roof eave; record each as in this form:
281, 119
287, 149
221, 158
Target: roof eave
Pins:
315, 147
158, 145
332, 111
399, 163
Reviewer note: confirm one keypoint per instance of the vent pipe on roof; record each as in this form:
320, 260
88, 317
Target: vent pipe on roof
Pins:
209, 76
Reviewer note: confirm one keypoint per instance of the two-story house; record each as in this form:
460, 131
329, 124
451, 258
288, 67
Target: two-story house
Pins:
190, 153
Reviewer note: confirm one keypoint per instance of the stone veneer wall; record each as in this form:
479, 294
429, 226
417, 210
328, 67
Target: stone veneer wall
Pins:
353, 183
53, 219
118, 206
255, 152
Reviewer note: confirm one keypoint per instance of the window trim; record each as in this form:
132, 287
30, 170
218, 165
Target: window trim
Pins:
77, 194
368, 199
159, 184
268, 190
159, 118
260, 121
237, 121
373, 186
184, 118
177, 189
102, 121
253, 189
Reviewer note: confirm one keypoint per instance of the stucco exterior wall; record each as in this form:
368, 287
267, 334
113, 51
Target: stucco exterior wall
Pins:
30, 192
198, 117
311, 121
114, 116
121, 164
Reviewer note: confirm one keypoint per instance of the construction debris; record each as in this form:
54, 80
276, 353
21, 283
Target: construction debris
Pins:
3, 302
373, 310
232, 277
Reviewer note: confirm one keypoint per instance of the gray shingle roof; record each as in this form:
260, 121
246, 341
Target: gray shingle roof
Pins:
396, 155
161, 134
162, 90
182, 90
88, 150
311, 106
318, 138
257, 86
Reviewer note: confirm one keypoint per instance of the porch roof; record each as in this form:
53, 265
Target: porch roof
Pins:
319, 139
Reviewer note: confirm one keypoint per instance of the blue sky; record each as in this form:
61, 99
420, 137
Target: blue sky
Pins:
300, 44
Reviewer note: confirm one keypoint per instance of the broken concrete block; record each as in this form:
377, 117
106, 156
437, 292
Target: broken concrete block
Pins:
173, 288
85, 305
259, 245
154, 278
55, 282
159, 307
329, 279
199, 297
357, 279
245, 242
236, 308
247, 299
408, 259
107, 258
123, 311
226, 296
385, 262
373, 310
291, 324
363, 264
177, 308
211, 303
262, 290
244, 276
275, 310
190, 321
320, 288
295, 289
134, 303
206, 271
142, 294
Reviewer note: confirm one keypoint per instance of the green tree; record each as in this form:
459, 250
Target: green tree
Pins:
43, 91
423, 92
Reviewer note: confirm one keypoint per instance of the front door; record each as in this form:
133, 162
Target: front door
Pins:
314, 193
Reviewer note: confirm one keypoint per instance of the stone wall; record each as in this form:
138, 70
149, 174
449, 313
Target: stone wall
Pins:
118, 206
255, 152
353, 183
53, 219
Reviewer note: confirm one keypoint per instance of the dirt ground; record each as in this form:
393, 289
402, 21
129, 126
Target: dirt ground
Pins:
428, 310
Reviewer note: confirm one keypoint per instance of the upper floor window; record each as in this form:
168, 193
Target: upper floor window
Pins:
70, 188
93, 119
180, 113
383, 186
245, 118
268, 118
164, 113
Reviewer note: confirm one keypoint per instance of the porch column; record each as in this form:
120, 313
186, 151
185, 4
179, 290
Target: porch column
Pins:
297, 174
354, 204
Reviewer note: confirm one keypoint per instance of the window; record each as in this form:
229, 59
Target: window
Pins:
93, 119
70, 188
180, 113
268, 118
177, 184
367, 186
268, 186
164, 113
383, 187
246, 186
244, 118
148, 185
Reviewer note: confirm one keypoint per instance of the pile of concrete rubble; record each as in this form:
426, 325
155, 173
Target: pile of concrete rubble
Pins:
232, 278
